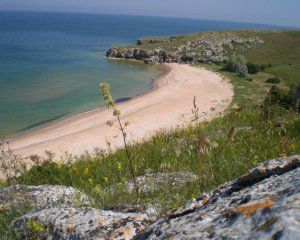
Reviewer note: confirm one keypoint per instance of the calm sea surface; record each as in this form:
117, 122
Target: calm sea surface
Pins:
52, 63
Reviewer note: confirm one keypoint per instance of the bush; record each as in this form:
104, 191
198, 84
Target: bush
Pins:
253, 68
283, 99
237, 64
273, 80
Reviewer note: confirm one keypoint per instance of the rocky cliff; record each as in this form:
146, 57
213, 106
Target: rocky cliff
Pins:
205, 48
263, 204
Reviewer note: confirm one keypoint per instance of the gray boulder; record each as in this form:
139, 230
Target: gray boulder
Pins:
264, 204
151, 60
40, 197
81, 223
155, 181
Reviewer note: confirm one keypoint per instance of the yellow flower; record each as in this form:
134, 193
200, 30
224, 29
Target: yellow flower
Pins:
105, 179
91, 181
135, 167
282, 154
255, 160
292, 148
86, 171
194, 195
119, 166
35, 226
98, 188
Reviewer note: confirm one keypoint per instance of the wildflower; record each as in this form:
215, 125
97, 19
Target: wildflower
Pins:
292, 148
255, 160
91, 181
98, 188
119, 166
86, 171
116, 113
105, 89
35, 226
135, 167
282, 154
194, 195
105, 179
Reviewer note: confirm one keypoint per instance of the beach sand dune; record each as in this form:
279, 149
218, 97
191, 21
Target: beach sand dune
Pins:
166, 106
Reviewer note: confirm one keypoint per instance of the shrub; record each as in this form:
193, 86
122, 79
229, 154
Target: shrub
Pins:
237, 64
273, 80
278, 97
253, 68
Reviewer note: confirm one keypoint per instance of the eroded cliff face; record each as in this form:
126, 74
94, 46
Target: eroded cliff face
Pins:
263, 204
207, 48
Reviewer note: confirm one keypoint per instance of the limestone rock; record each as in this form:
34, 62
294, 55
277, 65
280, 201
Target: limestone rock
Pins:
151, 60
80, 223
264, 204
207, 48
155, 181
40, 197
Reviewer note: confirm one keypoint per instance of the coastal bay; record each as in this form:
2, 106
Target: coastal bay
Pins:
52, 63
167, 106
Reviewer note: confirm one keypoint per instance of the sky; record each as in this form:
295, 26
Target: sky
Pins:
277, 12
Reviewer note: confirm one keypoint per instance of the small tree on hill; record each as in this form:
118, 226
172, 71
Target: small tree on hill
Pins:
237, 64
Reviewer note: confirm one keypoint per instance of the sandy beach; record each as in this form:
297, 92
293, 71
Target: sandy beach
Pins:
166, 106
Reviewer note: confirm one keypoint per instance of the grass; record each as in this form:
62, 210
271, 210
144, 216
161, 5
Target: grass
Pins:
257, 139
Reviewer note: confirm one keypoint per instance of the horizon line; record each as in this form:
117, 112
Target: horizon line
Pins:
154, 16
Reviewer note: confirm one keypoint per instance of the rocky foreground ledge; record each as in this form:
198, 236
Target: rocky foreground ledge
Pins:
211, 47
263, 204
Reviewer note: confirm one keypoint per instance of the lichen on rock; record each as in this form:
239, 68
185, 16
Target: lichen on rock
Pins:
264, 204
206, 48
42, 196
82, 223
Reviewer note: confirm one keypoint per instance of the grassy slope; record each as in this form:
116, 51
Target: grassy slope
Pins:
282, 50
257, 139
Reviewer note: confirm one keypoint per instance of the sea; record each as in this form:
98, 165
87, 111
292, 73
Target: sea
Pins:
51, 64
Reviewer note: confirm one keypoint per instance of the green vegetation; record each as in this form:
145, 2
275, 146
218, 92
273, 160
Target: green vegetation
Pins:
6, 216
263, 116
274, 80
105, 89
254, 68
237, 64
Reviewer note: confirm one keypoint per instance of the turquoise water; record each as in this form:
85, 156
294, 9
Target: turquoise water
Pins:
52, 63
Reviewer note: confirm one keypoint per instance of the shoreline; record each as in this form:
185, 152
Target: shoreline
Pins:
65, 117
171, 93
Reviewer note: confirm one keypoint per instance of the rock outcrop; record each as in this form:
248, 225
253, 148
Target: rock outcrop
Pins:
156, 181
263, 204
207, 47
80, 223
41, 197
